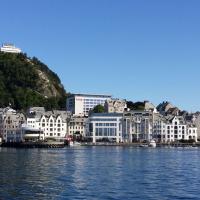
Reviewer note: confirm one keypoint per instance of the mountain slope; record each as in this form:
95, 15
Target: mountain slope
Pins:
26, 82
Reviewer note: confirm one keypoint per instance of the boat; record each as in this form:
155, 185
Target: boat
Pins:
74, 144
144, 145
152, 143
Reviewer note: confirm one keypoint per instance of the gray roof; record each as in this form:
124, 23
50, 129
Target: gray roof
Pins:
106, 115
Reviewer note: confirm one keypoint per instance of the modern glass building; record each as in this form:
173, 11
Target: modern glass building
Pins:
81, 104
105, 127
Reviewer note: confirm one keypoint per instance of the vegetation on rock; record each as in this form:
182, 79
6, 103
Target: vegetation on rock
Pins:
26, 82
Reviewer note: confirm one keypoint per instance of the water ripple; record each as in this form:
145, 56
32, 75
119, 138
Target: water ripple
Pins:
100, 173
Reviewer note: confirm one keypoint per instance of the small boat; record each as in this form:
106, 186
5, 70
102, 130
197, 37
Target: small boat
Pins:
152, 143
144, 145
74, 144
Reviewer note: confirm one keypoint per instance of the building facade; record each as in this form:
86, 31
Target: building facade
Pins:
77, 126
46, 125
81, 104
104, 127
140, 126
10, 125
137, 126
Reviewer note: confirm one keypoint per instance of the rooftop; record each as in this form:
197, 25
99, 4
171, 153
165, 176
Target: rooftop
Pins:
92, 95
106, 115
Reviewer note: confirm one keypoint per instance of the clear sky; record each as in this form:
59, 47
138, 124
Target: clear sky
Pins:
133, 49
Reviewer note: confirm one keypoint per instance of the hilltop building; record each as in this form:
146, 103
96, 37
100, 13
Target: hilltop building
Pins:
10, 48
81, 104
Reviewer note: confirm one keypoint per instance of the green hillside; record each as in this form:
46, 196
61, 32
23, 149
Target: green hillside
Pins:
26, 82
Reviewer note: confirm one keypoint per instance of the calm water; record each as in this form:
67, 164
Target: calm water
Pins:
100, 173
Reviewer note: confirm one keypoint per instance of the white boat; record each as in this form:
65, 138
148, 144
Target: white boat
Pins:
152, 143
74, 144
143, 145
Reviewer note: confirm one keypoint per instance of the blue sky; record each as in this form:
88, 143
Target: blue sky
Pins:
133, 49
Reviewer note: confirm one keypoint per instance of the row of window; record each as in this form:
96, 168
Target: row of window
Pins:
105, 131
105, 124
76, 127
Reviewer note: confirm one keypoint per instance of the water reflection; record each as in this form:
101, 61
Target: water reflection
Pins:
99, 173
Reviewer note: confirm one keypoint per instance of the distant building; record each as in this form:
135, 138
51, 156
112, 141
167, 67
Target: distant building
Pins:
10, 48
148, 106
81, 104
164, 107
104, 127
115, 106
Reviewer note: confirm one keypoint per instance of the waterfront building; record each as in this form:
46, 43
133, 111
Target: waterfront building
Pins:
115, 106
10, 124
76, 125
137, 126
10, 48
104, 127
147, 125
45, 125
81, 104
175, 129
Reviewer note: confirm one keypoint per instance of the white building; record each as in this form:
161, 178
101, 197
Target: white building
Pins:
81, 104
139, 126
50, 124
104, 126
10, 48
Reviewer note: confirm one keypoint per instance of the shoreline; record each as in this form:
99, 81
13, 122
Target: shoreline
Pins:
63, 145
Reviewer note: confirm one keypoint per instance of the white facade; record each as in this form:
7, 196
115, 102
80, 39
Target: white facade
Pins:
140, 126
50, 126
104, 126
10, 48
137, 126
81, 104
173, 131
45, 125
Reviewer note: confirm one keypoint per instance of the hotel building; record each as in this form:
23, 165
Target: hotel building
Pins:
10, 48
81, 104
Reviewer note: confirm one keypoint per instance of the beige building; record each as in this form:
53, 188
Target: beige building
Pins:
76, 125
115, 106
